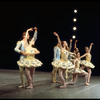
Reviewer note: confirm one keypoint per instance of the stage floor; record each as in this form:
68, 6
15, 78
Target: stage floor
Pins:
45, 89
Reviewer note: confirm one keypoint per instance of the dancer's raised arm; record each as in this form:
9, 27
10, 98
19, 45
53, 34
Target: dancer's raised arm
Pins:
58, 38
91, 47
70, 45
30, 29
35, 34
75, 46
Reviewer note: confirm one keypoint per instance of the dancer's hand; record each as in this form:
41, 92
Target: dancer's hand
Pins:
76, 40
24, 53
92, 43
55, 33
35, 28
70, 40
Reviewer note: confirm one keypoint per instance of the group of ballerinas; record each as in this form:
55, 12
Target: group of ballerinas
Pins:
67, 62
64, 60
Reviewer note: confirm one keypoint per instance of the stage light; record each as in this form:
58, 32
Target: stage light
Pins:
75, 11
74, 19
73, 37
74, 28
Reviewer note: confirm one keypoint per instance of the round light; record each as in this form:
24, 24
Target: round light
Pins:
73, 36
74, 19
75, 11
74, 28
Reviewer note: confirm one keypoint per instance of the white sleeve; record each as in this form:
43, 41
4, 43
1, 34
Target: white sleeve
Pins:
17, 48
35, 36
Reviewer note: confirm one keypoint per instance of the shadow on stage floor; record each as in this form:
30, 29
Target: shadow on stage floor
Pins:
44, 88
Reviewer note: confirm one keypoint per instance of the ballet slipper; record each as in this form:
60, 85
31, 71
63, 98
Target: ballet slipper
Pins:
21, 86
29, 87
87, 84
63, 86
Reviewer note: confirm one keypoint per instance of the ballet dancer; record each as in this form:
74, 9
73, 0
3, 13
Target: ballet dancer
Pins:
87, 63
63, 63
77, 71
57, 53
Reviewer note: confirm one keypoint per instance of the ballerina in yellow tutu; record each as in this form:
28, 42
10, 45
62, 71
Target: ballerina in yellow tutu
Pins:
87, 63
63, 64
30, 62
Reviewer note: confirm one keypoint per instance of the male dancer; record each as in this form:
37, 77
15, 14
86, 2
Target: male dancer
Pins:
57, 53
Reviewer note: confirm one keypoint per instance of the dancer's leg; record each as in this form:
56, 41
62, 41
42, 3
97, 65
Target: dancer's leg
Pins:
73, 80
21, 69
32, 71
54, 73
61, 72
89, 73
27, 72
86, 78
66, 74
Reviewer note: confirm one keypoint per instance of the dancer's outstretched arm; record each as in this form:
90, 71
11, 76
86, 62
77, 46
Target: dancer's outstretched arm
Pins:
83, 55
72, 53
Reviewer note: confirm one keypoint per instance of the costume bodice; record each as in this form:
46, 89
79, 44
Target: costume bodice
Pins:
64, 55
88, 57
30, 51
77, 64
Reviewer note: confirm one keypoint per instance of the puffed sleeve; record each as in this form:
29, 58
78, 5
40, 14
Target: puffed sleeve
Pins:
17, 48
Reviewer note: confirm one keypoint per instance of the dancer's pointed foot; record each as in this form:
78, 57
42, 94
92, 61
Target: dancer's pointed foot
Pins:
87, 84
29, 87
21, 86
58, 81
54, 81
63, 86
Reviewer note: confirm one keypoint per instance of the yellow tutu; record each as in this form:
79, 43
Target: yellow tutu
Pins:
29, 63
76, 71
87, 64
30, 60
62, 64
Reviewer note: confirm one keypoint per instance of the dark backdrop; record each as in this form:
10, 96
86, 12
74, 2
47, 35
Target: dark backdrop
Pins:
48, 16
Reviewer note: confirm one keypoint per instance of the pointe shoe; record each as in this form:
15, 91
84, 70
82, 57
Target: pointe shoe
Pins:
87, 84
29, 87
63, 86
54, 81
21, 86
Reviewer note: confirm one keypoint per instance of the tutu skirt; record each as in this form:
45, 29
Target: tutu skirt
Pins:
62, 64
87, 64
29, 62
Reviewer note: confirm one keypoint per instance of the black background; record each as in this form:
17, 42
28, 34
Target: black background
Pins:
48, 16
